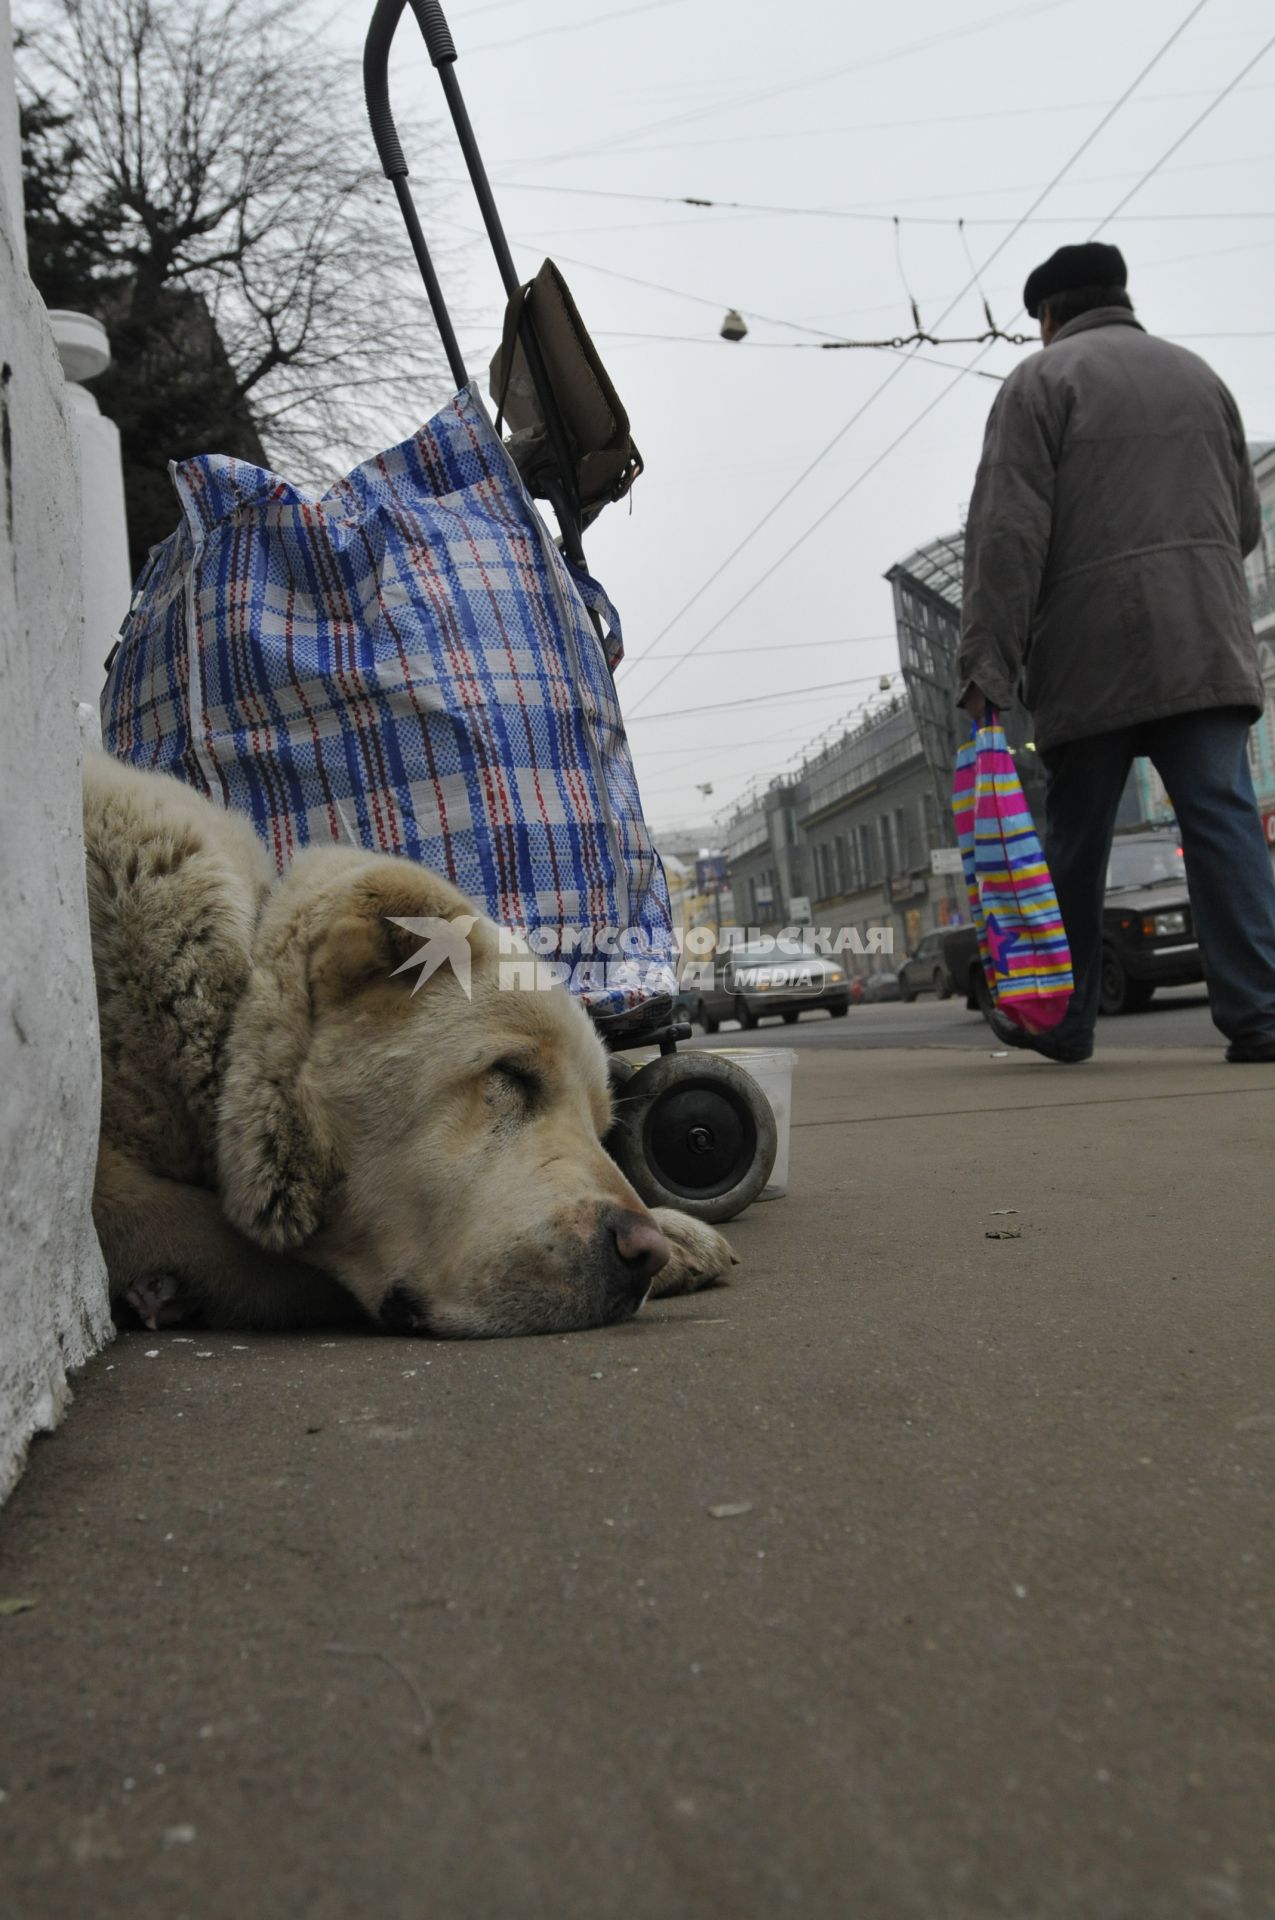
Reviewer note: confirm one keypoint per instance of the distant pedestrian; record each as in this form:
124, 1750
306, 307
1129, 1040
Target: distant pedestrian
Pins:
1104, 551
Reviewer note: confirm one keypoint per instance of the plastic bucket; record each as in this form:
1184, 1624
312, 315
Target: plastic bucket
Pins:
771, 1068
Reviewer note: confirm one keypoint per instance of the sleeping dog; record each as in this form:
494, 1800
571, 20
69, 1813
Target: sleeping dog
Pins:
298, 1128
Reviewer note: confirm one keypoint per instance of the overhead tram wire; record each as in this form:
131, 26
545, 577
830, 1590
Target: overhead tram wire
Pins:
801, 326
877, 216
652, 286
820, 336
926, 121
569, 26
1183, 137
797, 646
893, 375
821, 78
880, 346
764, 699
788, 346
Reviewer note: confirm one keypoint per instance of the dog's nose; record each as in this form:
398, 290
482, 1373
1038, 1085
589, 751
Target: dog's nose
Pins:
641, 1245
638, 1251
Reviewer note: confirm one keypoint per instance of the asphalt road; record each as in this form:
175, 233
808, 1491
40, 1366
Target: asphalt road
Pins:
1178, 1017
918, 1575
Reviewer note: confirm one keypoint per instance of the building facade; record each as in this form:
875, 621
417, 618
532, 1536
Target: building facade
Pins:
870, 819
847, 845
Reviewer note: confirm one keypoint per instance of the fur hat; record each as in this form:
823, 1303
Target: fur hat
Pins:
1094, 264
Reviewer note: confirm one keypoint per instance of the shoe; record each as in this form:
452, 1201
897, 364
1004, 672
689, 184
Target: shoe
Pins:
1251, 1052
1012, 1036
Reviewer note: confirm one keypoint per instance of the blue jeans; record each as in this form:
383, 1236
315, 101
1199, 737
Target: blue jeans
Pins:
1203, 760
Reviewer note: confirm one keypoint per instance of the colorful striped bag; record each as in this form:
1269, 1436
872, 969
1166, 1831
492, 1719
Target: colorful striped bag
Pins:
1026, 960
408, 662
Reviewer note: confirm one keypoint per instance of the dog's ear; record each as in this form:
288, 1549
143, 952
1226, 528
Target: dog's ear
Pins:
396, 926
329, 933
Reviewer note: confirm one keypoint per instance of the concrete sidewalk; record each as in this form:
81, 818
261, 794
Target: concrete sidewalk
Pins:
352, 1627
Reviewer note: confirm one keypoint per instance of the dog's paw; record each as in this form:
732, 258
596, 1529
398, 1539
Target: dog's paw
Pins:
158, 1301
702, 1257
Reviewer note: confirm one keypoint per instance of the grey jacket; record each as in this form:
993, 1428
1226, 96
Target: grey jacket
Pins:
1113, 506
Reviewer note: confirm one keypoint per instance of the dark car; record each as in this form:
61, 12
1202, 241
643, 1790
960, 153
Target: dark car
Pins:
881, 985
748, 982
925, 970
1148, 929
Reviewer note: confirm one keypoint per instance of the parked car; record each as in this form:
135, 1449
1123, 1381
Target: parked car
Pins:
751, 982
925, 971
881, 986
1148, 929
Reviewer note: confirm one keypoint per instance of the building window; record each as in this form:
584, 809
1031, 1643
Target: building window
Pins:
903, 838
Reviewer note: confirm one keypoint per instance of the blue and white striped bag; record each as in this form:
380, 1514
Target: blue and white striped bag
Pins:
409, 661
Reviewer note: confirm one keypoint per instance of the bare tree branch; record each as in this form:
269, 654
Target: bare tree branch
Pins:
222, 158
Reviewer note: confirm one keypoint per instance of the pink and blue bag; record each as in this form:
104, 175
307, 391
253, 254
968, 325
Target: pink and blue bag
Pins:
1026, 960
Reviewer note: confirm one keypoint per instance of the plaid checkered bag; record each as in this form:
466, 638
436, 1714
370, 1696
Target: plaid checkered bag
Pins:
408, 662
1021, 938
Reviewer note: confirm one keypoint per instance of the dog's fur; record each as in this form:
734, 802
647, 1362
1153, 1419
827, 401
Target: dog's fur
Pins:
291, 1135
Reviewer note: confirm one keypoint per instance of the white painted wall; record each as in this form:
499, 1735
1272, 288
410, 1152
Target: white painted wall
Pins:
53, 1309
85, 352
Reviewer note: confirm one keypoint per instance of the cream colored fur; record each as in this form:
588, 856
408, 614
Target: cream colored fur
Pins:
291, 1135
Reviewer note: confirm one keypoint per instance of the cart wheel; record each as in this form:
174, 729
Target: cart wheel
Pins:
695, 1133
983, 995
619, 1072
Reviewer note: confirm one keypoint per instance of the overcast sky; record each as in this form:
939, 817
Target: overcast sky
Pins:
934, 112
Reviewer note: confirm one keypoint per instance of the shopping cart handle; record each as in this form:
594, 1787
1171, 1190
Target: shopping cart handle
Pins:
435, 31
376, 76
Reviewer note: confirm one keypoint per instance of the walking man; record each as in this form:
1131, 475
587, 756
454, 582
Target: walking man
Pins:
1104, 552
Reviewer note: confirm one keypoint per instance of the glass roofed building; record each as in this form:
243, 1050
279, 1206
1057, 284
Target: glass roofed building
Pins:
927, 617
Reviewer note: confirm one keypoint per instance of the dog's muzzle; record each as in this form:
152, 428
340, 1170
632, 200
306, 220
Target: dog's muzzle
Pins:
630, 1250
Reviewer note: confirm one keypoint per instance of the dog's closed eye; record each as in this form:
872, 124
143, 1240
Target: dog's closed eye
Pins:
512, 1077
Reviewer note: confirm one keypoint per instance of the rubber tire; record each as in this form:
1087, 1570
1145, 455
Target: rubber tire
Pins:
743, 1013
1118, 993
983, 995
638, 1118
619, 1072
908, 998
942, 984
791, 1019
704, 1020
838, 1013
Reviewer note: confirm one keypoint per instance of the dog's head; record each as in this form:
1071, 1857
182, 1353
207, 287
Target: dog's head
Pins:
424, 1135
